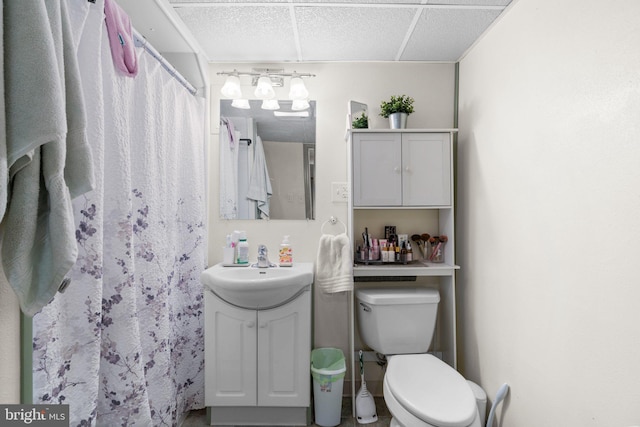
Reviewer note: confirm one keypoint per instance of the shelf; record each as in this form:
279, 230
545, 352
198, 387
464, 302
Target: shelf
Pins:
416, 269
451, 130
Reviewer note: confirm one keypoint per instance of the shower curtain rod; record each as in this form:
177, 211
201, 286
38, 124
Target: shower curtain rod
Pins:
140, 41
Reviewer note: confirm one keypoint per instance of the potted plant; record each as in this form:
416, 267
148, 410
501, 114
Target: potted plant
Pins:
397, 109
361, 122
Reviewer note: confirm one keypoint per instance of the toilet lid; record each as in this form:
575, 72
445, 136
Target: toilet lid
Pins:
431, 390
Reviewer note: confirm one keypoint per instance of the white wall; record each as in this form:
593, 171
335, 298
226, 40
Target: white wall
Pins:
548, 212
432, 86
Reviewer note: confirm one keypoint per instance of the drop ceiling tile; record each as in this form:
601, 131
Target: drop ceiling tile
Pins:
352, 33
362, 1
247, 33
445, 34
471, 2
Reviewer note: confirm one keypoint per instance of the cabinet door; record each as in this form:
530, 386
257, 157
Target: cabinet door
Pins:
284, 342
426, 169
377, 162
230, 354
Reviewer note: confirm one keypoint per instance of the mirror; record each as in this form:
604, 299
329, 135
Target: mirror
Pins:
358, 115
267, 161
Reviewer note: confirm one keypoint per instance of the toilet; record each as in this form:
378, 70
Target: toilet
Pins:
419, 389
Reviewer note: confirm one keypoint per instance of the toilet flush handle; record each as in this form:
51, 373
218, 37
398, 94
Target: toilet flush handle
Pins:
365, 307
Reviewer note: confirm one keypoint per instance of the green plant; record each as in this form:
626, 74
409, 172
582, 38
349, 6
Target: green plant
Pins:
361, 122
397, 104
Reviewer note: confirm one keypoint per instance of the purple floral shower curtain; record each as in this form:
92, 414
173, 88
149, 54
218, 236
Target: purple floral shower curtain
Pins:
123, 345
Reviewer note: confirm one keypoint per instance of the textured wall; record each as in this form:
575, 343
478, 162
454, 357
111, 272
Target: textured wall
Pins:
548, 205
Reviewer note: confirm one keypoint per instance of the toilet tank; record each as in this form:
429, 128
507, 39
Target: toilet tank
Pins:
397, 320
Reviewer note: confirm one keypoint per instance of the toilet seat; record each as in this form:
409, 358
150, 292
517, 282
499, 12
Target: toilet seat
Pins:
429, 390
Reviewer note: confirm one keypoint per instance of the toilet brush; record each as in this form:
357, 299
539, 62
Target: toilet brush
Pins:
502, 392
365, 405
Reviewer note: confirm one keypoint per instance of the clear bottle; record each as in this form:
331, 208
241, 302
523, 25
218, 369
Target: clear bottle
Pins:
286, 253
243, 249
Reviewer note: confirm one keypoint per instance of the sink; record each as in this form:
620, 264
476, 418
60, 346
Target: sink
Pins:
258, 288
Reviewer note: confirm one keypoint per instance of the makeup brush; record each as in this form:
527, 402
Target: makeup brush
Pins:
418, 239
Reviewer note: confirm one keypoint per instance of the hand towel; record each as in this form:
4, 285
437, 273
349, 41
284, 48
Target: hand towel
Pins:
123, 49
259, 181
334, 265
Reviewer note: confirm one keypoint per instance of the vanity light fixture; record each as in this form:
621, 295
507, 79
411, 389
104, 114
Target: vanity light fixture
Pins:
264, 89
270, 104
231, 88
291, 113
265, 79
241, 103
297, 89
299, 104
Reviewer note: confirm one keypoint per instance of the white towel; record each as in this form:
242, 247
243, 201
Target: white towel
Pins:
228, 170
259, 183
334, 265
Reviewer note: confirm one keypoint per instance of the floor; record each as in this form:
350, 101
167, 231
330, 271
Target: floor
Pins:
199, 418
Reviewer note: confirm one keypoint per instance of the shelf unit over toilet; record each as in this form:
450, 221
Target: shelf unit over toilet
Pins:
404, 175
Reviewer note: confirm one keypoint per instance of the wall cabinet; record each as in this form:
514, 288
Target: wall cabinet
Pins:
405, 178
401, 169
257, 361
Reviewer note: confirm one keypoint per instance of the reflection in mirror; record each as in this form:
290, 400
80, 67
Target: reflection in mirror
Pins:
267, 161
358, 115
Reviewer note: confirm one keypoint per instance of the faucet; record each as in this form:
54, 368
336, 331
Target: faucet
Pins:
263, 257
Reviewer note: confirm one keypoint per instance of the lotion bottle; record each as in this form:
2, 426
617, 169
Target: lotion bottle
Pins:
286, 253
243, 249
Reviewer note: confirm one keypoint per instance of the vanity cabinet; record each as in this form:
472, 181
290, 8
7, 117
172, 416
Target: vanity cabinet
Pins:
404, 177
257, 361
401, 169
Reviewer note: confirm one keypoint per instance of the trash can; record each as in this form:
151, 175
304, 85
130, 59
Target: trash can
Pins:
327, 369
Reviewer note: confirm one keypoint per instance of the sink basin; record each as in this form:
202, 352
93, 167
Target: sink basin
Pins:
258, 288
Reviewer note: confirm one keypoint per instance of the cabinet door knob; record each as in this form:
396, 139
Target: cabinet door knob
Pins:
263, 325
250, 324
396, 169
407, 169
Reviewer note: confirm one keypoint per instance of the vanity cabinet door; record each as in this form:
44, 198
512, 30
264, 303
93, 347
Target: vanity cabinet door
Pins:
230, 354
377, 169
284, 343
426, 169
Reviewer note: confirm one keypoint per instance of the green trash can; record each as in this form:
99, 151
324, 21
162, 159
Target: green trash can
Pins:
327, 369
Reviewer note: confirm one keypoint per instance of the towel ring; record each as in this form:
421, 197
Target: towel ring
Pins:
333, 221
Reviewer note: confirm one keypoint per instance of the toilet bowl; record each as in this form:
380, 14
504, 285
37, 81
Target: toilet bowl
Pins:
419, 389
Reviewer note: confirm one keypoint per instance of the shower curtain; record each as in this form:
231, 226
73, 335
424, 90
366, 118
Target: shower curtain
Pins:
123, 345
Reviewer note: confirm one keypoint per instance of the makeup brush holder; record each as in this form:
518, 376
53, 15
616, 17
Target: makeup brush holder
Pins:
436, 252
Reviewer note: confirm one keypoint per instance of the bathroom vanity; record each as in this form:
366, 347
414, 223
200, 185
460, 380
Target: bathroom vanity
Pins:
404, 178
257, 350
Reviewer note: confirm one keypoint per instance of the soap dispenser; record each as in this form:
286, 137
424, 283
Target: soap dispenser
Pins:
286, 253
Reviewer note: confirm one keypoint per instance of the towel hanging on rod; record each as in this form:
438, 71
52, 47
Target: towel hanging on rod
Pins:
333, 221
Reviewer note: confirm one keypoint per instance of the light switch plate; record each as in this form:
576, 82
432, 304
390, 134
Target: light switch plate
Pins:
339, 192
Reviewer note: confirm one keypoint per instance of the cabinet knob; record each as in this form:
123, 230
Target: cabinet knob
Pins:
407, 169
396, 169
250, 324
263, 325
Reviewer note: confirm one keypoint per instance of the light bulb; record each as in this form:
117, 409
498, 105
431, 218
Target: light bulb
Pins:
231, 88
299, 104
297, 89
241, 103
264, 90
270, 104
